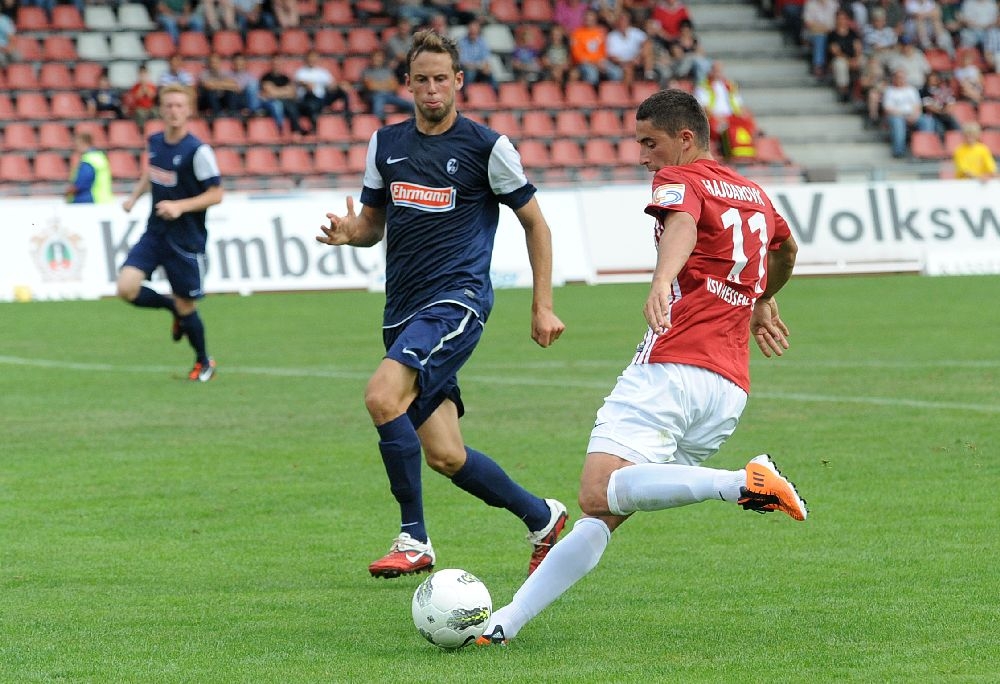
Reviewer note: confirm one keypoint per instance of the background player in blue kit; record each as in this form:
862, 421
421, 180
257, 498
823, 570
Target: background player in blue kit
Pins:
433, 186
185, 181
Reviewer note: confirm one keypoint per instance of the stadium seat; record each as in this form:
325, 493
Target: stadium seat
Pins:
352, 68
333, 128
926, 145
537, 124
228, 131
506, 11
628, 152
362, 41
32, 19
991, 86
964, 111
261, 43
329, 42
293, 161
338, 13
200, 129
21, 76
514, 95
86, 75
977, 57
566, 153
28, 47
128, 45
499, 38
329, 159
571, 123
613, 94
534, 154
262, 131
124, 165
6, 107
952, 139
546, 95
643, 89
51, 166
362, 127
294, 41
309, 9
123, 73
505, 121
93, 47
54, 135
992, 140
133, 16
989, 114
537, 11
15, 168
99, 18
32, 106
67, 18
580, 95
261, 161
55, 76
149, 128
606, 123
159, 45
939, 60
58, 48
96, 130
125, 133
195, 45
230, 162
768, 150
480, 96
19, 135
357, 156
599, 152
68, 105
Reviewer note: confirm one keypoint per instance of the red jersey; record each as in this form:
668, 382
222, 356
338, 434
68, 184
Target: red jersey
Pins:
714, 293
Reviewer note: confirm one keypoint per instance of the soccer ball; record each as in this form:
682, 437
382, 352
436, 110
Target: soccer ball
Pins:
451, 608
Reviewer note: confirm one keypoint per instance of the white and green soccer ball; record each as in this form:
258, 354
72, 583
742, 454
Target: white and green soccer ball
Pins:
451, 608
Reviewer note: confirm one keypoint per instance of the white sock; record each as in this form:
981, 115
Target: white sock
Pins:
654, 486
574, 556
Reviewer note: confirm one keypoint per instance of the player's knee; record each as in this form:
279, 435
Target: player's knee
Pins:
593, 500
382, 405
443, 461
126, 291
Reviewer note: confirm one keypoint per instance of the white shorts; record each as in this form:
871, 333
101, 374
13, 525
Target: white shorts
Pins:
667, 413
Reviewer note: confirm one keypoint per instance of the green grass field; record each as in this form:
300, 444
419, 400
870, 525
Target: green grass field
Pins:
156, 530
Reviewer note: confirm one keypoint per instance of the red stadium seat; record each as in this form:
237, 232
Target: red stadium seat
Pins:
926, 145
992, 140
28, 47
514, 95
55, 76
534, 154
294, 41
262, 131
96, 130
989, 114
261, 43
362, 127
51, 166
641, 90
159, 45
537, 11
939, 60
566, 153
352, 68
580, 95
18, 135
614, 94
991, 86
329, 42
261, 161
294, 161
606, 123
21, 76
67, 18
227, 43
952, 139
537, 124
480, 96
338, 13
86, 75
54, 135
362, 41
332, 128
357, 157
230, 162
964, 111
32, 19
547, 95
599, 152
769, 150
58, 48
571, 123
32, 106
200, 129
628, 152
227, 131
15, 168
505, 11
193, 45
506, 122
125, 133
6, 107
329, 159
124, 165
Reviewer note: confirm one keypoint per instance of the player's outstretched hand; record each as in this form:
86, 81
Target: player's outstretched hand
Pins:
657, 309
546, 327
337, 232
768, 330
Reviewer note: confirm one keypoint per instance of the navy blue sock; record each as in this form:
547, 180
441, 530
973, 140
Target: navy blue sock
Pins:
482, 477
401, 456
195, 330
151, 299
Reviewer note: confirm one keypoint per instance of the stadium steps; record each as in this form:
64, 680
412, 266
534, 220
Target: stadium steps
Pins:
816, 131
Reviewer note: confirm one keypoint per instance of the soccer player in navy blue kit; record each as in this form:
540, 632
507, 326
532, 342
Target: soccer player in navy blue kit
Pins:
433, 187
185, 181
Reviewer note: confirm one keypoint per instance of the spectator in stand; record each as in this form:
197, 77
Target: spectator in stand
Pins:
879, 39
951, 18
318, 89
7, 30
726, 110
641, 10
379, 87
588, 47
284, 12
247, 87
938, 100
911, 60
671, 14
140, 100
90, 180
175, 16
904, 112
105, 98
219, 15
279, 98
977, 17
250, 15
630, 50
968, 78
972, 158
689, 61
846, 56
820, 19
660, 48
217, 89
569, 14
396, 46
439, 23
608, 11
526, 58
923, 26
791, 19
475, 55
556, 58
414, 12
8, 8
454, 13
175, 73
895, 15
991, 47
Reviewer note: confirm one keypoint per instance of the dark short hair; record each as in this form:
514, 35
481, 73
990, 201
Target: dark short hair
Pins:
672, 111
430, 40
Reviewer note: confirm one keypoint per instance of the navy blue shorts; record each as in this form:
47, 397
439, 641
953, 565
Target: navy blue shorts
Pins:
185, 270
436, 343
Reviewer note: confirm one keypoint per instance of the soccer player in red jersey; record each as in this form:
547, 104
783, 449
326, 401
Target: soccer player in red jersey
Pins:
722, 253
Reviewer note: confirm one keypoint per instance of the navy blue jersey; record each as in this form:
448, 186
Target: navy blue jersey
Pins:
442, 196
180, 171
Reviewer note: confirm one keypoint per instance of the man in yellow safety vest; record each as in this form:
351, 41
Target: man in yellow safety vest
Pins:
90, 180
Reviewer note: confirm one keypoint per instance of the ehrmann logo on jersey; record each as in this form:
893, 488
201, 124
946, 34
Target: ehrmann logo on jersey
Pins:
422, 197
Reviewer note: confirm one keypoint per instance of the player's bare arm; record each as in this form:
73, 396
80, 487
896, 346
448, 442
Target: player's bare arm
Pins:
140, 189
768, 330
172, 209
357, 230
545, 325
680, 234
